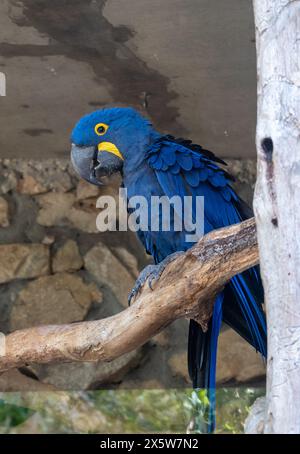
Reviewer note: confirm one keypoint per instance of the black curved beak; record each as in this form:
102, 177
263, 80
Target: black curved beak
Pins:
92, 165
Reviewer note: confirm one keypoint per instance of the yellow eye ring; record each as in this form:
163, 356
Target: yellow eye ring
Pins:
101, 129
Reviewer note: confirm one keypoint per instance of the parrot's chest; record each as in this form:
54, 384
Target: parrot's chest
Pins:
154, 218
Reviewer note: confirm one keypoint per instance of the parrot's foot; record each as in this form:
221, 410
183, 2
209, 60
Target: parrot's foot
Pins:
151, 273
147, 272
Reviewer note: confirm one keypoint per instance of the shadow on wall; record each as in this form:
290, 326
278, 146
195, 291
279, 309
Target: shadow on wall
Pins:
189, 65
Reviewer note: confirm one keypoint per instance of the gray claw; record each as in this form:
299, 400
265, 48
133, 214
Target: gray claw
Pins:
154, 276
144, 275
152, 273
131, 296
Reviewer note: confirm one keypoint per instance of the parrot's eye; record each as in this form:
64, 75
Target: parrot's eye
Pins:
100, 129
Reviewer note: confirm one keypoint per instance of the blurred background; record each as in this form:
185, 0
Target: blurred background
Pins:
189, 65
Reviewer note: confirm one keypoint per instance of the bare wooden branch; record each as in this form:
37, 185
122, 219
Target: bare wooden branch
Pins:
186, 289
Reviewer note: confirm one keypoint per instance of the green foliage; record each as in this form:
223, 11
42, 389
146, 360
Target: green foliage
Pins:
12, 415
146, 411
233, 407
198, 404
176, 411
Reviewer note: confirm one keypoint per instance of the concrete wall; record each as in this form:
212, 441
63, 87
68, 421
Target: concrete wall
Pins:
188, 64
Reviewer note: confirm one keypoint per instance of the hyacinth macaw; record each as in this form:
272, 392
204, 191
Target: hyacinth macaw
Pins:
121, 140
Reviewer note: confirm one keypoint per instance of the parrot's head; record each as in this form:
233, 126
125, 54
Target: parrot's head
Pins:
105, 141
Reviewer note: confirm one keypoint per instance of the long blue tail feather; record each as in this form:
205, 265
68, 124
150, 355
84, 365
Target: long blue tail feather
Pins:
239, 307
252, 312
215, 331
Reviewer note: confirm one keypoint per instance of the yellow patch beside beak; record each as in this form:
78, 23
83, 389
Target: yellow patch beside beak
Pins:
110, 148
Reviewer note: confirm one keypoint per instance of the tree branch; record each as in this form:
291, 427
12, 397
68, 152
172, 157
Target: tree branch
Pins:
186, 289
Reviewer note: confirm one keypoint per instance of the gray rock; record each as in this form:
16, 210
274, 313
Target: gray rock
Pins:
237, 360
29, 185
54, 208
127, 259
178, 365
13, 380
82, 376
57, 299
84, 212
48, 239
4, 215
23, 261
52, 174
244, 170
86, 190
8, 181
107, 269
62, 209
83, 215
67, 258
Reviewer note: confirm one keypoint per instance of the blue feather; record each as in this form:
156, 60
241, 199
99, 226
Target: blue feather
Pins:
192, 178
203, 174
198, 162
253, 313
226, 194
213, 348
175, 169
184, 160
218, 180
170, 157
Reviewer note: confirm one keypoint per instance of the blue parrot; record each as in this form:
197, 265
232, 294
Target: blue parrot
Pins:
152, 164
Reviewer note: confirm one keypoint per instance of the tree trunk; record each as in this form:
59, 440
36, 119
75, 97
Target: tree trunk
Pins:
277, 201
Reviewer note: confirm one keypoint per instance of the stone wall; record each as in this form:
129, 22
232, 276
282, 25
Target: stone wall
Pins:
55, 267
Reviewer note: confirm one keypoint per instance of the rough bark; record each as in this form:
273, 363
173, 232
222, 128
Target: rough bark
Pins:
277, 197
186, 288
255, 421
